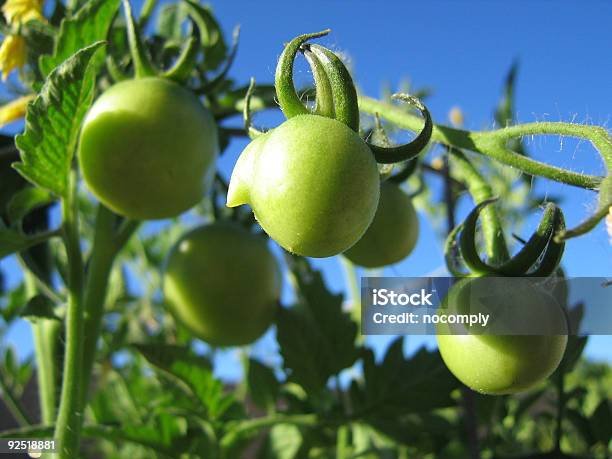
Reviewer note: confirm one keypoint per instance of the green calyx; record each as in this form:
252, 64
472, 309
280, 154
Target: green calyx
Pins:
539, 257
336, 96
188, 59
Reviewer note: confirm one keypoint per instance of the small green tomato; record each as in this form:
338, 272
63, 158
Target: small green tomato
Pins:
498, 364
148, 148
223, 283
393, 233
313, 185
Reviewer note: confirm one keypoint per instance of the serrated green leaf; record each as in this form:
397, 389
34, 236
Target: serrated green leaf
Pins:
316, 337
193, 372
89, 25
25, 201
53, 122
399, 385
39, 307
263, 385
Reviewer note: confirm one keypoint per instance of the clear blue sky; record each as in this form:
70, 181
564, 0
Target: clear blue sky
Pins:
461, 50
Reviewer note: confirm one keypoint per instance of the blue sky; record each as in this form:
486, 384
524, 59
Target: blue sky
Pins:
462, 51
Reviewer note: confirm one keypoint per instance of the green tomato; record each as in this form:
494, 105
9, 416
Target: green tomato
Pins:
223, 283
147, 149
313, 185
502, 363
392, 234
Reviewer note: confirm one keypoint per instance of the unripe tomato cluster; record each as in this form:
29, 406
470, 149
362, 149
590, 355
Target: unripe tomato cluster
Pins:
148, 149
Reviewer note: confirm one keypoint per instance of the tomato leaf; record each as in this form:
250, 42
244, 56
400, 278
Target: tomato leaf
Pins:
316, 337
192, 372
53, 122
90, 24
399, 385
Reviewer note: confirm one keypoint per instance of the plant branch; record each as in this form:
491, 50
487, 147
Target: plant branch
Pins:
42, 284
106, 245
496, 247
493, 143
46, 340
67, 430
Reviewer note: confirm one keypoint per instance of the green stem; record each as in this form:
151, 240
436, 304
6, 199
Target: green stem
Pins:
142, 64
303, 420
67, 430
145, 13
46, 339
480, 190
98, 273
350, 276
13, 403
106, 245
493, 143
40, 283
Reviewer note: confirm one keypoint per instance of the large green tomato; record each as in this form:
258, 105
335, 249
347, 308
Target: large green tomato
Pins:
392, 234
148, 148
503, 363
313, 185
223, 283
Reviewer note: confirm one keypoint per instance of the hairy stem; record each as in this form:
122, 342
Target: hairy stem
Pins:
67, 430
480, 190
493, 143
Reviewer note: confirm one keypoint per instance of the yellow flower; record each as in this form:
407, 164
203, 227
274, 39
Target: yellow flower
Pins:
12, 54
14, 110
22, 11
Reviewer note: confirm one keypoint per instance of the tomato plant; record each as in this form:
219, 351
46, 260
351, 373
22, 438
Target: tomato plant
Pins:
209, 333
147, 149
223, 283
